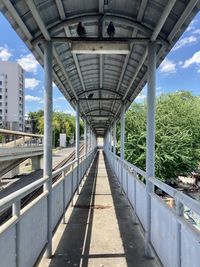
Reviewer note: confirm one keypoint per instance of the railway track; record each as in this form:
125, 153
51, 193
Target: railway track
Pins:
7, 214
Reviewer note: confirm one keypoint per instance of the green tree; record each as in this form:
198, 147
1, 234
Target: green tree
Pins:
177, 135
35, 117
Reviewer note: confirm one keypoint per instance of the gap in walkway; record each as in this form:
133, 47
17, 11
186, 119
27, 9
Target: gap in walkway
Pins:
100, 230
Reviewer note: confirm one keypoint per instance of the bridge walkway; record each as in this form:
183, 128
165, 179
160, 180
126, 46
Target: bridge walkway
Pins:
99, 229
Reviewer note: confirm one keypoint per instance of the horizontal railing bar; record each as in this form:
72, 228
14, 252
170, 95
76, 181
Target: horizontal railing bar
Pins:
7, 201
63, 168
9, 132
183, 198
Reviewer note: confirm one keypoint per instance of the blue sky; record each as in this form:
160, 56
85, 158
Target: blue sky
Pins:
179, 71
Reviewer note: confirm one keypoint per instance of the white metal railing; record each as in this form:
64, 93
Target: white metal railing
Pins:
26, 230
174, 239
14, 139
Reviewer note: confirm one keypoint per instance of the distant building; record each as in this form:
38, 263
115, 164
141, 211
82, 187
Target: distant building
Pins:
28, 125
11, 96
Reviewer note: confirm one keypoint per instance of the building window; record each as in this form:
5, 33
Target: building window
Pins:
0, 90
0, 82
0, 96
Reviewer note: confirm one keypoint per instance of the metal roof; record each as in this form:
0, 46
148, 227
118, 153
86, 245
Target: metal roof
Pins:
106, 76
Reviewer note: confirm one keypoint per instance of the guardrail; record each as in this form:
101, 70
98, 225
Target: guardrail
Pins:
174, 239
12, 139
23, 237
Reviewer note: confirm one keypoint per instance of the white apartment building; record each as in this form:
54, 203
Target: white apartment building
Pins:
11, 96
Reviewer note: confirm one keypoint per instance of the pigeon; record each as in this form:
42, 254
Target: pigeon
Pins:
81, 30
111, 30
90, 96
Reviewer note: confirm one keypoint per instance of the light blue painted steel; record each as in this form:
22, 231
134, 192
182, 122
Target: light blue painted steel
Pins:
32, 221
165, 237
8, 247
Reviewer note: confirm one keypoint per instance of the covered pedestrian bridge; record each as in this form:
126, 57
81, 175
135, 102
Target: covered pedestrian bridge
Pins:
100, 75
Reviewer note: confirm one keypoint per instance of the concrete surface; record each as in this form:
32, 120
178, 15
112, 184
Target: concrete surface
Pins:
99, 229
25, 179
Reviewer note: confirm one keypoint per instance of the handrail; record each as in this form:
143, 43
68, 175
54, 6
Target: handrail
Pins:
4, 131
177, 195
7, 201
135, 168
183, 198
63, 168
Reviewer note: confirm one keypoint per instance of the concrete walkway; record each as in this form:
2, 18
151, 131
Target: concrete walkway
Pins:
99, 229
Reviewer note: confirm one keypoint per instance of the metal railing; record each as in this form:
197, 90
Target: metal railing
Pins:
174, 239
14, 139
26, 230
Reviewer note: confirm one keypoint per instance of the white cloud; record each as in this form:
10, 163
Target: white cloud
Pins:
32, 98
4, 53
141, 97
197, 31
185, 41
31, 83
168, 66
192, 25
194, 60
60, 98
28, 63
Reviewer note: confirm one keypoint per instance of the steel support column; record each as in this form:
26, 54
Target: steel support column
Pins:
48, 139
111, 139
77, 142
122, 141
150, 141
114, 137
85, 137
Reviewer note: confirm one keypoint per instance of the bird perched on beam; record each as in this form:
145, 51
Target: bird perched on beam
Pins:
111, 30
81, 30
90, 96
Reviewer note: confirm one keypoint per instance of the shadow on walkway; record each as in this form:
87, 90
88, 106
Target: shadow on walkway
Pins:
100, 231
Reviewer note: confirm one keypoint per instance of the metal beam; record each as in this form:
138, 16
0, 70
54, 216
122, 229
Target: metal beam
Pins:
102, 99
91, 17
48, 139
150, 143
100, 47
77, 142
103, 40
97, 109
100, 89
134, 34
114, 137
85, 137
101, 116
154, 36
68, 34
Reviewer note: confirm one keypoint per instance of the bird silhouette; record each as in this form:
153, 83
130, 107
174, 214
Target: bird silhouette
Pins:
111, 30
90, 95
81, 30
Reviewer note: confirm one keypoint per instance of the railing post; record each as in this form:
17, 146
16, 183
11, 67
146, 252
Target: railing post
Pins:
135, 197
48, 139
16, 212
179, 212
122, 142
64, 193
85, 137
77, 142
150, 141
72, 185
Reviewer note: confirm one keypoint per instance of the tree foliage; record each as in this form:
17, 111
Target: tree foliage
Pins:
177, 134
61, 123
